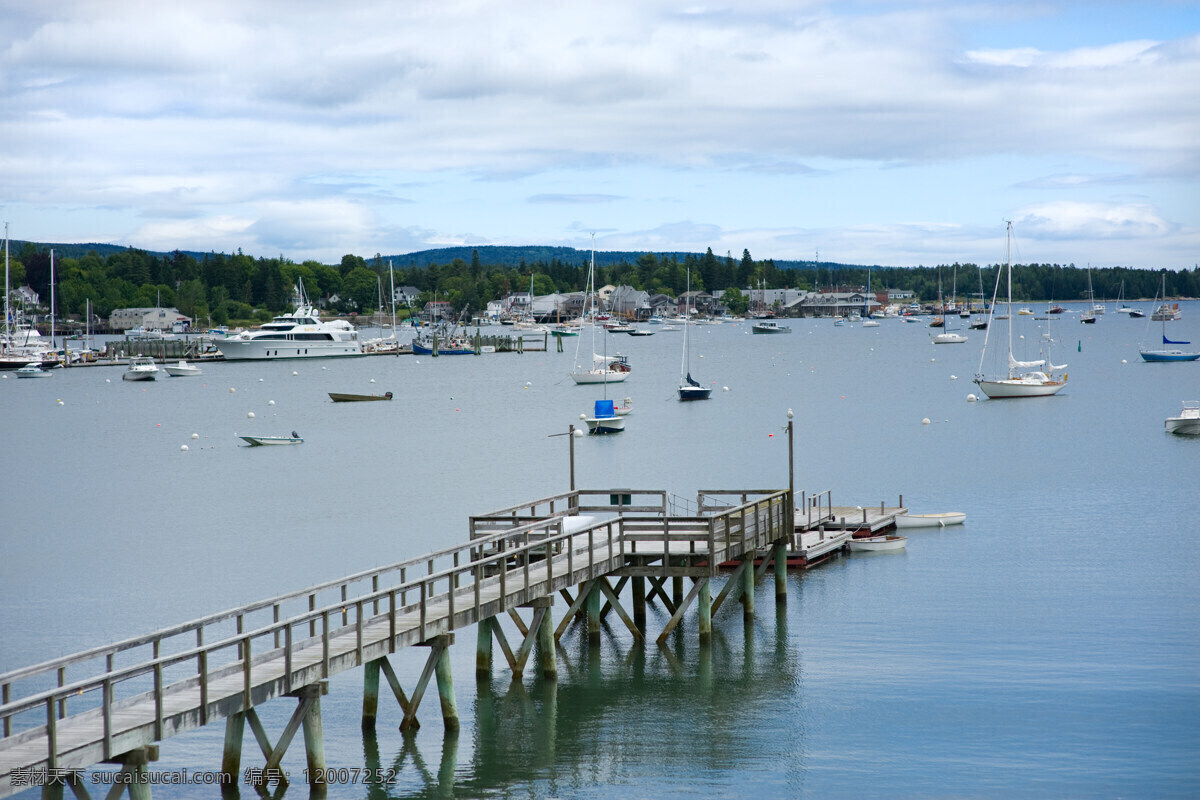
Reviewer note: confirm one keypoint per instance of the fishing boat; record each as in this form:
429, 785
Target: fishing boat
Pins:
769, 326
604, 419
338, 397
689, 389
181, 369
443, 341
1167, 352
604, 369
1167, 312
930, 520
875, 544
141, 368
260, 441
1021, 378
33, 370
1188, 421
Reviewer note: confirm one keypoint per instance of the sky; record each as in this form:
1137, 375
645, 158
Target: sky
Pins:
892, 132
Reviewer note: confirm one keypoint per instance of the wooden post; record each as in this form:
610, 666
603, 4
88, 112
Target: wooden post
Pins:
748, 588
370, 694
593, 612
314, 738
445, 682
639, 603
705, 610
677, 590
545, 643
231, 758
483, 648
780, 572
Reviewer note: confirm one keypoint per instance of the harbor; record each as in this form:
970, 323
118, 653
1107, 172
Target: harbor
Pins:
976, 622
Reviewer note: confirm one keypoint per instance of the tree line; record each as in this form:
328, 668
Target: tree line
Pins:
218, 288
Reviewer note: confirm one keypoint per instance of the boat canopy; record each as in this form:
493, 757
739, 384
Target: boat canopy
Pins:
604, 409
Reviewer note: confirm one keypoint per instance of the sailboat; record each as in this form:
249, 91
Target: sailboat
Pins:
689, 389
389, 343
1089, 314
868, 321
1166, 353
1023, 379
603, 369
947, 336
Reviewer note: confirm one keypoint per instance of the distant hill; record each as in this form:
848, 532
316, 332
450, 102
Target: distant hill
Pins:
490, 255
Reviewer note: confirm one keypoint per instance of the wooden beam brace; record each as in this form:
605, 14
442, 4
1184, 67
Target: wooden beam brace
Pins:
656, 588
678, 615
520, 623
608, 606
576, 606
539, 614
385, 667
437, 646
615, 603
498, 632
732, 588
768, 556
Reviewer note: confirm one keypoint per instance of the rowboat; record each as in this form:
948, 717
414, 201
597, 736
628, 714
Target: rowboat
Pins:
930, 520
337, 397
877, 543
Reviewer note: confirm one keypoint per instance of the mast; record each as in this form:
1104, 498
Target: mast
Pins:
52, 344
7, 312
1008, 268
687, 329
392, 281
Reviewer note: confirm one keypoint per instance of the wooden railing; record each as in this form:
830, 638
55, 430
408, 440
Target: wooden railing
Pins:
451, 588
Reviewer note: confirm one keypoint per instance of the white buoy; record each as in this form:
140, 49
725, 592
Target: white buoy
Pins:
583, 416
527, 384
925, 421
932, 360
260, 380
372, 380
724, 388
1123, 361
293, 372
270, 402
232, 390
250, 415
106, 380
61, 403
971, 398
324, 367
195, 436
579, 431
953, 377
183, 447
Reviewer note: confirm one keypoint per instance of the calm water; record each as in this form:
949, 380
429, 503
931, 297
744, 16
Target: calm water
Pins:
1048, 648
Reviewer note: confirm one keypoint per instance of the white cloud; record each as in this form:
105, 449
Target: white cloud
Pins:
1072, 220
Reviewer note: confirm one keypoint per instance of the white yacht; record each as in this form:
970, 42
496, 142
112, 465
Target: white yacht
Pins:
300, 334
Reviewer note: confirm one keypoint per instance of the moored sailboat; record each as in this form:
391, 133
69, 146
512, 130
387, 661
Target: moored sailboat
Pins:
689, 389
1022, 378
1167, 352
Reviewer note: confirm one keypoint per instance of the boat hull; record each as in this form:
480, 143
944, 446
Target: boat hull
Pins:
421, 349
261, 441
1168, 355
338, 397
181, 370
930, 520
877, 544
604, 376
605, 425
694, 392
949, 338
770, 329
138, 376
277, 350
1018, 387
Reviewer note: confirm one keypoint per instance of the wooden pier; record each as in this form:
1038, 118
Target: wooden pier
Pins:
114, 703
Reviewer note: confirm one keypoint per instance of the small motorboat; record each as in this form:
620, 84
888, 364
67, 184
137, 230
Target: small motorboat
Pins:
930, 520
1187, 423
337, 397
877, 543
605, 419
141, 368
33, 370
622, 410
259, 441
181, 369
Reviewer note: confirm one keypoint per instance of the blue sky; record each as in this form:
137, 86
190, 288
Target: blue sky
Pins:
886, 132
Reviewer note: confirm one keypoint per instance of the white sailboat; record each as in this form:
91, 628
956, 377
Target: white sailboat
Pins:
603, 369
1023, 378
947, 336
1089, 314
689, 389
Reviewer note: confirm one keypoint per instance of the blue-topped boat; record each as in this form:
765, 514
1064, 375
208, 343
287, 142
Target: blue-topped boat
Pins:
605, 419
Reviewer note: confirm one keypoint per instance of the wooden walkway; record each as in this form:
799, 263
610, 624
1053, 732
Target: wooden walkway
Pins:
213, 668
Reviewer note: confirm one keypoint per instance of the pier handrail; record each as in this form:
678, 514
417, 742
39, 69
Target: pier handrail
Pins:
460, 578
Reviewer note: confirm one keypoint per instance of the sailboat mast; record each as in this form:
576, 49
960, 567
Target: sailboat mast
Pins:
52, 343
1008, 268
7, 313
687, 328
